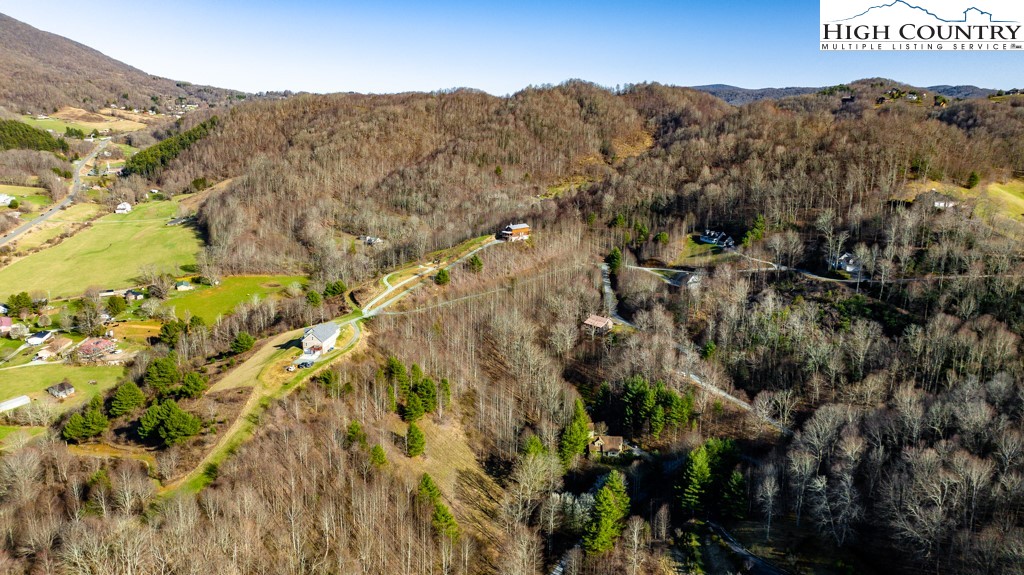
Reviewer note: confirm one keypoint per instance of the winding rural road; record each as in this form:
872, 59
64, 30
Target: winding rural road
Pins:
76, 186
249, 372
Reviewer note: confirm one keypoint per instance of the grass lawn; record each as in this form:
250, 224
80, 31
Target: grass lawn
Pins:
55, 226
210, 302
34, 379
7, 432
58, 126
695, 252
1009, 197
21, 191
108, 255
129, 151
7, 347
36, 197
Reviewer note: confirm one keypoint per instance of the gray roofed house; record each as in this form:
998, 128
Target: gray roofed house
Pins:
320, 339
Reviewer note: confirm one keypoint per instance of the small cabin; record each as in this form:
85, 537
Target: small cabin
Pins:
61, 390
514, 233
598, 324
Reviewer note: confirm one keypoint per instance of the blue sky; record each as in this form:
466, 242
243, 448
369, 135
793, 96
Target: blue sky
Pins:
333, 46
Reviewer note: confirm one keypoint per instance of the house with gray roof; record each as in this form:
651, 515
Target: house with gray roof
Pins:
320, 339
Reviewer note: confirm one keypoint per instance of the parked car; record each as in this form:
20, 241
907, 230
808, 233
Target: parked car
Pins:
305, 365
290, 368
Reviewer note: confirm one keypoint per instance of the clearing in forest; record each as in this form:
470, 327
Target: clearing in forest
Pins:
32, 380
108, 255
210, 302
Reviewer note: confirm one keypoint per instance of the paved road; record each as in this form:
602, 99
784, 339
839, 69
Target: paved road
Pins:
757, 565
76, 186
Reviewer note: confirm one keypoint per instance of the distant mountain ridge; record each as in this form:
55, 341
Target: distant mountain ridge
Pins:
40, 72
737, 96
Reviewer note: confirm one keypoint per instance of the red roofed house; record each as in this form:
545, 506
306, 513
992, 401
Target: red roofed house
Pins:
95, 347
6, 324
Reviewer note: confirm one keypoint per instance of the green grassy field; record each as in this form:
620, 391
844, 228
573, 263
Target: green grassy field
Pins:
37, 197
107, 255
54, 124
34, 379
8, 431
208, 303
129, 151
1010, 197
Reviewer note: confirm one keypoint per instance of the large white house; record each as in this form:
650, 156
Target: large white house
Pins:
5, 200
320, 339
123, 208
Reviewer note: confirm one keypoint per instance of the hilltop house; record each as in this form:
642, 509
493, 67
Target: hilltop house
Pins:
515, 232
320, 339
6, 199
184, 286
720, 239
61, 390
123, 208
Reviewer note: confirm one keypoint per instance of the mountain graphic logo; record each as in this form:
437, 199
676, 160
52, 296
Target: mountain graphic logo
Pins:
973, 10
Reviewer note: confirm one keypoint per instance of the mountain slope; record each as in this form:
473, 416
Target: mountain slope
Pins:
738, 96
40, 72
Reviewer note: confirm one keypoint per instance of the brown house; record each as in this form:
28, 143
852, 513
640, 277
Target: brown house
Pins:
598, 324
515, 232
606, 445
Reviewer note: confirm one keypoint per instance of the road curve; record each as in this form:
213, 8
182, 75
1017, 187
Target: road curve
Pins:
76, 186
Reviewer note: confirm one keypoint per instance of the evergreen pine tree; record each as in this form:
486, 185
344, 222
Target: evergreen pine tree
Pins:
575, 436
611, 506
426, 389
442, 277
734, 496
428, 491
534, 447
696, 478
414, 441
192, 386
444, 522
127, 399
242, 343
377, 456
74, 429
413, 408
354, 434
657, 421
614, 260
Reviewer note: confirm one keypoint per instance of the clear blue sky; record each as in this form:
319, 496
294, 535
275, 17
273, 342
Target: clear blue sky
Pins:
332, 46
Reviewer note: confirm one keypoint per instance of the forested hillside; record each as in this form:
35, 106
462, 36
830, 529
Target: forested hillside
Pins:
41, 72
846, 383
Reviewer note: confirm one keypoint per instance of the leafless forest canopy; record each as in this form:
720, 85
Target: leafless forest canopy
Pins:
904, 392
